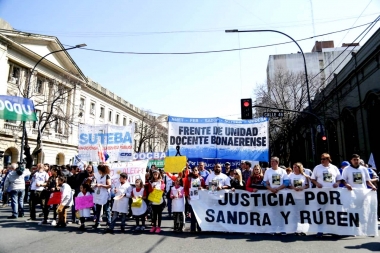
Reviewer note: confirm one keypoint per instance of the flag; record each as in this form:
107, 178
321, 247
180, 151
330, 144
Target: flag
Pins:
106, 156
372, 161
101, 153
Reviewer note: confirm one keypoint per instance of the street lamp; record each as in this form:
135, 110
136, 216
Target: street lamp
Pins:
306, 76
28, 87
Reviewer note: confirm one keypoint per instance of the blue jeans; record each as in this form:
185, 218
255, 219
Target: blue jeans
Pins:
17, 202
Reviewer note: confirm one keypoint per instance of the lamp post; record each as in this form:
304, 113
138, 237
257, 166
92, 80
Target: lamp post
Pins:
28, 87
306, 76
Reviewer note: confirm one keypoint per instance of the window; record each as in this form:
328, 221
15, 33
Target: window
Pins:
82, 103
102, 112
92, 108
130, 122
38, 114
14, 74
135, 125
117, 119
110, 116
38, 88
58, 126
124, 121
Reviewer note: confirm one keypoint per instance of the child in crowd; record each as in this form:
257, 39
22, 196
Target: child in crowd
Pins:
66, 201
139, 206
178, 205
85, 190
121, 202
157, 184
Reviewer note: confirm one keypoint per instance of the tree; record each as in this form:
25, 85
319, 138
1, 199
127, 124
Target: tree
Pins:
54, 101
150, 134
288, 91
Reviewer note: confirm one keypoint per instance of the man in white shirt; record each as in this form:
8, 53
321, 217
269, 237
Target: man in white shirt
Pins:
326, 175
222, 181
38, 183
274, 176
356, 175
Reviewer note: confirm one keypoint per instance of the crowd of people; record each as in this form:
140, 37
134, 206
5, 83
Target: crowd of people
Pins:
143, 202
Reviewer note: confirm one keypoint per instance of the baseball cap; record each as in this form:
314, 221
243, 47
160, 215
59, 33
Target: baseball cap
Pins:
344, 163
227, 163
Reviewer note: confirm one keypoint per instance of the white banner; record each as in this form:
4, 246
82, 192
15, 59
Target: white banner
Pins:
108, 142
336, 211
134, 170
219, 138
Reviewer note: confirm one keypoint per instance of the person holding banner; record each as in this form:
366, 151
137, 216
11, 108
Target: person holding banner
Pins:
356, 175
121, 202
255, 181
298, 179
326, 175
237, 182
156, 191
103, 184
196, 183
85, 190
220, 179
274, 176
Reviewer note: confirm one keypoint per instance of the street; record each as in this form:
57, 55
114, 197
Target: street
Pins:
20, 236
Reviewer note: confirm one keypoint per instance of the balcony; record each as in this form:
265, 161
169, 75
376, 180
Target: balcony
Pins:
12, 127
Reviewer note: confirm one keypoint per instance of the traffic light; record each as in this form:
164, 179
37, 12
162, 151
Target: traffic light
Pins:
246, 108
324, 138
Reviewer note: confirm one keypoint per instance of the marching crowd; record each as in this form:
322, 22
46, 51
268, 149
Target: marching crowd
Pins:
147, 201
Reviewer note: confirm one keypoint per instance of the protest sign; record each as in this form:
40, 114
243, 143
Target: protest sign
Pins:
175, 164
84, 202
219, 138
327, 210
17, 108
134, 170
55, 198
155, 196
109, 142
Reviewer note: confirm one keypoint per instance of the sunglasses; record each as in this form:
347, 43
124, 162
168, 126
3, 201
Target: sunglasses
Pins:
323, 159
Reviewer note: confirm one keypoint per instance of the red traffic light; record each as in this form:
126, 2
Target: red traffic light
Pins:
324, 138
246, 104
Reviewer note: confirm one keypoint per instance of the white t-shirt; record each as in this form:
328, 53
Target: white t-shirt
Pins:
40, 178
297, 180
356, 177
275, 177
221, 179
326, 176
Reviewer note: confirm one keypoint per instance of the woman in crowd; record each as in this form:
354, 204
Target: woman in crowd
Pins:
255, 181
237, 182
157, 207
101, 194
298, 179
195, 182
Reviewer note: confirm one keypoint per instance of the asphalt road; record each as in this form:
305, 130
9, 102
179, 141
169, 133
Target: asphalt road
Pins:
20, 236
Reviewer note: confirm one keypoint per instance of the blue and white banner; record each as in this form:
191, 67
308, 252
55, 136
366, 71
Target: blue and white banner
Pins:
219, 138
100, 141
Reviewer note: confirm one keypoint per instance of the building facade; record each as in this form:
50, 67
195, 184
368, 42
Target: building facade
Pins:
63, 96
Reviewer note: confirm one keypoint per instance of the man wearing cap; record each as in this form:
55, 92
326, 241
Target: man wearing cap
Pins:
227, 166
356, 175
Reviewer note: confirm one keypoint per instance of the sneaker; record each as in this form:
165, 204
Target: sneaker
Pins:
12, 217
158, 230
152, 229
41, 215
97, 226
44, 222
137, 228
30, 220
53, 223
108, 230
142, 228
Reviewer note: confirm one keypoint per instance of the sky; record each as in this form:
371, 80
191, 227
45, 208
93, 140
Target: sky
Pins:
187, 85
